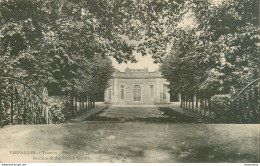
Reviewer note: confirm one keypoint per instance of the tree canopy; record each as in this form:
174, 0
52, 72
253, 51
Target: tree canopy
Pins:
66, 44
218, 52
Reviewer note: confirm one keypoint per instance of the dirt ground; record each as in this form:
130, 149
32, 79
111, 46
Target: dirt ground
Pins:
130, 142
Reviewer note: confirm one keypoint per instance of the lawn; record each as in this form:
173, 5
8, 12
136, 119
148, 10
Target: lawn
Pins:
130, 142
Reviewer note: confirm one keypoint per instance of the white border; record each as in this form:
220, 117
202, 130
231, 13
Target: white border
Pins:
130, 164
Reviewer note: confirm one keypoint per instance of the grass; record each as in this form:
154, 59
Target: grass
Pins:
134, 142
170, 116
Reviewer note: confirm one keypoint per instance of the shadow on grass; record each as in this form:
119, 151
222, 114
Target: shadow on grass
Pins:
175, 116
169, 116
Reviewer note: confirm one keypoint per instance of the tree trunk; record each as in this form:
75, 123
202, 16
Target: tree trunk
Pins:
94, 102
72, 103
186, 103
205, 106
17, 104
89, 104
181, 101
24, 106
76, 104
197, 103
12, 103
189, 102
192, 106
201, 105
80, 103
83, 102
256, 97
209, 106
250, 105
1, 110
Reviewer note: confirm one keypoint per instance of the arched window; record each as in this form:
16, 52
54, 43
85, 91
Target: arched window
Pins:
137, 93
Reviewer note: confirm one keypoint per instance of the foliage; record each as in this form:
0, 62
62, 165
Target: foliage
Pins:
65, 45
56, 36
96, 71
45, 43
61, 45
20, 104
60, 109
218, 52
221, 107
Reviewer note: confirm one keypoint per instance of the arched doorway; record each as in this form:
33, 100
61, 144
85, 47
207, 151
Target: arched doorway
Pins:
137, 93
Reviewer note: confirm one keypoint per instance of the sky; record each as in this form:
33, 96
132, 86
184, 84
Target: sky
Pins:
143, 62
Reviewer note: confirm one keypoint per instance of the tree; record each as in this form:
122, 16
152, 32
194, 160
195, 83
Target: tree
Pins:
219, 52
20, 37
38, 44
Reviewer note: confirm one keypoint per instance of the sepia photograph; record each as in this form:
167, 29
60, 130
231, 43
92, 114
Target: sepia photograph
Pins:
129, 81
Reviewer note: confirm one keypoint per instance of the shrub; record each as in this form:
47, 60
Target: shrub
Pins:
221, 107
59, 108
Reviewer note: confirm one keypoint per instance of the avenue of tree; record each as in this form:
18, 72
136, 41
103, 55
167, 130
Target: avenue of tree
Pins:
220, 51
65, 45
